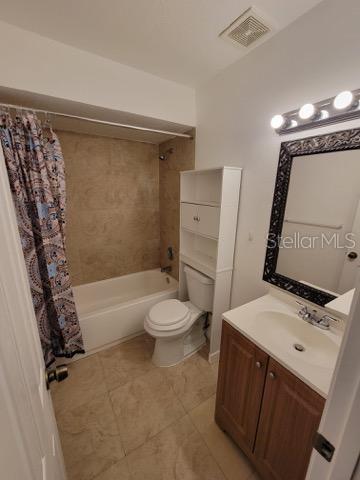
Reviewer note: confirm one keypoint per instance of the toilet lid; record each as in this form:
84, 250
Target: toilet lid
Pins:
168, 312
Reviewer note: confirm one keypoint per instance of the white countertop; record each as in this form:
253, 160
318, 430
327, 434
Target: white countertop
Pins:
265, 321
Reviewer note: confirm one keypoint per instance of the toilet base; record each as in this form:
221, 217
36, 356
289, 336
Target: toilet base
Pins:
171, 351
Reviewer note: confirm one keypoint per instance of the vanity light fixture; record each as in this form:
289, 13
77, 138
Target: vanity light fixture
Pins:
343, 100
307, 111
341, 108
324, 114
277, 121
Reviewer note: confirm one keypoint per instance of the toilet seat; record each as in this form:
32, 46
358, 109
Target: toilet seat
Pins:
168, 315
172, 324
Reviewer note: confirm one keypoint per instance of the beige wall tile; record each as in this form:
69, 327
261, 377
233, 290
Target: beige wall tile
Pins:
118, 471
113, 225
182, 158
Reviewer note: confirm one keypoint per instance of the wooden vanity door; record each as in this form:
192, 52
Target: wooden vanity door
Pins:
289, 419
242, 372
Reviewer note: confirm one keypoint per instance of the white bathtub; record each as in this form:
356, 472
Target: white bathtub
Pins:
112, 310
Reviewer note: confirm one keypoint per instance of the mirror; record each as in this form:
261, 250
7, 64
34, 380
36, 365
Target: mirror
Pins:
313, 246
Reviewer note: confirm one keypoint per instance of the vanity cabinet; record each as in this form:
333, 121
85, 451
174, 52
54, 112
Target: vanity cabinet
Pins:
242, 374
271, 414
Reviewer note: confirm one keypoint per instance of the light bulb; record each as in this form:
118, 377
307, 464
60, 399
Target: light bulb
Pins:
343, 100
324, 114
277, 121
307, 111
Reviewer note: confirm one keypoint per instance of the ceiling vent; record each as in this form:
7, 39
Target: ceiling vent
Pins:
246, 29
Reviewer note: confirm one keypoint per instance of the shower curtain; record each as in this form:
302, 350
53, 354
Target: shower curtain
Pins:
35, 167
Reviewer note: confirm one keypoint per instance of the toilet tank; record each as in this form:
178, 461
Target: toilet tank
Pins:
200, 289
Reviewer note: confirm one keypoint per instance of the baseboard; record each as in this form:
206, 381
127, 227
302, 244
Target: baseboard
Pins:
214, 357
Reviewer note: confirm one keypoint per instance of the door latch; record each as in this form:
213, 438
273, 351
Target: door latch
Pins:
324, 447
57, 374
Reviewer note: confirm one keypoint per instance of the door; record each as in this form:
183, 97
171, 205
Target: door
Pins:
30, 448
209, 221
242, 371
189, 216
352, 258
340, 421
289, 419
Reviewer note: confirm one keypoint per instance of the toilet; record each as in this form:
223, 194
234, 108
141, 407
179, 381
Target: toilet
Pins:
178, 327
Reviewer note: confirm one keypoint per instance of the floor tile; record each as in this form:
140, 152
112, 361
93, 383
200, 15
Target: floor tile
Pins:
255, 476
178, 452
84, 382
193, 381
215, 369
118, 471
231, 460
144, 407
90, 438
126, 361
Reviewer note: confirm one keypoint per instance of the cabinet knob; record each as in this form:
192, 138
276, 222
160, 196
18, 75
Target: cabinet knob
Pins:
258, 364
272, 375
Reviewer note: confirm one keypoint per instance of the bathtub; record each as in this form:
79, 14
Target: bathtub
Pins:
112, 310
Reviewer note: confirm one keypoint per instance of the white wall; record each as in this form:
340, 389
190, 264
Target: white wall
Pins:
40, 65
312, 59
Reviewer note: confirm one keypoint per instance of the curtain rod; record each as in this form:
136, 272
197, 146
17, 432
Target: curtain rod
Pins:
102, 122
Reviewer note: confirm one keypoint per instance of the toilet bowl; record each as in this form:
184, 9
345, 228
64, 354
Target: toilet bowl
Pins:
178, 327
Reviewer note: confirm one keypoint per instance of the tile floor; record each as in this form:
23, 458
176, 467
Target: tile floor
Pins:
121, 418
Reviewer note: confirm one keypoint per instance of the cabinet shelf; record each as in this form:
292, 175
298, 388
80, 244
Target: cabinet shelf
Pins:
202, 202
199, 234
200, 261
201, 187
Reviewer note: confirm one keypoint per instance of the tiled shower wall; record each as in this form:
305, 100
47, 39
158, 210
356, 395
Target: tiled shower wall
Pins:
182, 158
122, 204
112, 206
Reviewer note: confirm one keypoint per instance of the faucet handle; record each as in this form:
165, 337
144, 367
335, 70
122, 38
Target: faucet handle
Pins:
328, 318
303, 308
303, 312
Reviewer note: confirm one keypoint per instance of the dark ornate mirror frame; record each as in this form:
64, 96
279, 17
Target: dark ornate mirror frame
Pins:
332, 142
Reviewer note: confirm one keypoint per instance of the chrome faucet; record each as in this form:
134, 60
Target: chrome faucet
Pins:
166, 269
322, 322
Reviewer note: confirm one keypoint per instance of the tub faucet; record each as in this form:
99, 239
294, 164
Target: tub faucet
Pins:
166, 269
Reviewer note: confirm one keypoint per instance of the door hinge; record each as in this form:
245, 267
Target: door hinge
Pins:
324, 447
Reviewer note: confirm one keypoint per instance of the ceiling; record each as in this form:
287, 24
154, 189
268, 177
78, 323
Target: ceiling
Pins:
173, 39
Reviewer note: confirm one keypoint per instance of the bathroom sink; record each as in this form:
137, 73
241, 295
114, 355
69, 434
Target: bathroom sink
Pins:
272, 323
296, 337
